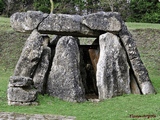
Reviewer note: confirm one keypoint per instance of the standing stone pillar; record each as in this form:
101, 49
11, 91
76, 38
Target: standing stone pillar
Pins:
40, 75
20, 88
64, 79
113, 77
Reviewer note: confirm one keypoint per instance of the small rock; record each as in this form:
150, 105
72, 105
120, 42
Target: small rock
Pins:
20, 81
24, 95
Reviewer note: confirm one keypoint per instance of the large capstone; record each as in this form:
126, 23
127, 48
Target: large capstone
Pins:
112, 68
103, 21
64, 79
26, 21
65, 24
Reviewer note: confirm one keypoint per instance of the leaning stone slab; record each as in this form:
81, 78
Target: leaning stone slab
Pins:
139, 69
24, 95
30, 55
134, 85
20, 81
26, 21
64, 24
64, 79
113, 77
40, 76
103, 21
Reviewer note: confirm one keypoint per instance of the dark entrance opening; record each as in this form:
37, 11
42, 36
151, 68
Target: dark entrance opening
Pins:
88, 72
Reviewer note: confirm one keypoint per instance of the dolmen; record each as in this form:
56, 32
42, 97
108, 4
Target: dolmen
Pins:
61, 67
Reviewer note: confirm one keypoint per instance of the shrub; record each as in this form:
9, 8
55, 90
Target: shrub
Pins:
144, 11
1, 6
42, 5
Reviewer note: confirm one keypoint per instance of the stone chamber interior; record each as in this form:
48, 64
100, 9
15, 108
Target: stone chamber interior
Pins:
88, 69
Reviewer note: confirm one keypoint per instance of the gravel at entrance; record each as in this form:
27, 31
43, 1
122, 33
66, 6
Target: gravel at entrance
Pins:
16, 116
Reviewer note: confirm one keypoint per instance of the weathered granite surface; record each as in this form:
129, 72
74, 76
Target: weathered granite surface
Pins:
103, 21
113, 77
30, 55
20, 81
64, 79
139, 70
24, 95
27, 21
40, 75
65, 24
17, 116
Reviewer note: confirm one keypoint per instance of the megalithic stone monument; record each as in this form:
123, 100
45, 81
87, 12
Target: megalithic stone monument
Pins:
65, 69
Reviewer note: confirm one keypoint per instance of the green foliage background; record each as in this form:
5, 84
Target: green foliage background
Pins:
145, 11
1, 6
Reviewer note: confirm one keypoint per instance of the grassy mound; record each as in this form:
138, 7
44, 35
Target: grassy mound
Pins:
148, 42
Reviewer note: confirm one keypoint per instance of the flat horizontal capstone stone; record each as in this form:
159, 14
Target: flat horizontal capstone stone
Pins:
103, 21
26, 21
91, 25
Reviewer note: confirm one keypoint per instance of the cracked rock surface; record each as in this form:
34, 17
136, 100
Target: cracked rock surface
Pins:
65, 24
17, 116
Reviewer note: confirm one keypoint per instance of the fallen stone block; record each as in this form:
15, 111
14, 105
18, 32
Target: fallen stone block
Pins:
24, 95
20, 81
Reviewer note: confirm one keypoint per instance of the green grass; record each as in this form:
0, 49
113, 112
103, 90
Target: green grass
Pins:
5, 24
133, 25
118, 108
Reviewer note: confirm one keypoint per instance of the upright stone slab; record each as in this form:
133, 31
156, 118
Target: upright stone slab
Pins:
30, 55
139, 70
40, 76
112, 69
64, 79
